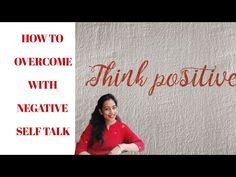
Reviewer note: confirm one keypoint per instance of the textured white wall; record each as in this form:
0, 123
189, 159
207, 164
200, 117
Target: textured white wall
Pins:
174, 120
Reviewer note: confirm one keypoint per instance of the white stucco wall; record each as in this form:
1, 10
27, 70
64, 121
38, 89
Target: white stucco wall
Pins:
173, 120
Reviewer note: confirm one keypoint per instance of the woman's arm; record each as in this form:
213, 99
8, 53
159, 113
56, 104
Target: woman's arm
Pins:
82, 145
132, 142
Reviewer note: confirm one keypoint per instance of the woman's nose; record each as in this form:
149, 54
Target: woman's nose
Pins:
112, 111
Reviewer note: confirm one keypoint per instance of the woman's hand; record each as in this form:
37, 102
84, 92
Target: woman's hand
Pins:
124, 148
84, 153
116, 150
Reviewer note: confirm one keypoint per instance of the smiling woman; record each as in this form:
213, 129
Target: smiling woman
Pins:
106, 134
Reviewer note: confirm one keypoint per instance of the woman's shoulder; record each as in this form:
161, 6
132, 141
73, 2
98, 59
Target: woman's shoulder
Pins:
122, 124
89, 126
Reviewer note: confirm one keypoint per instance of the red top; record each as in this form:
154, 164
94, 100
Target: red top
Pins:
118, 133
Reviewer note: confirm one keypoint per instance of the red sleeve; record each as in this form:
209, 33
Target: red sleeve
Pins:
82, 144
131, 137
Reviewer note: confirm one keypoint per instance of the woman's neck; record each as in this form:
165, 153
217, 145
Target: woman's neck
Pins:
109, 123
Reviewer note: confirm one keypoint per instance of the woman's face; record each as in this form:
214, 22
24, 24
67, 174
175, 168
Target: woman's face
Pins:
109, 110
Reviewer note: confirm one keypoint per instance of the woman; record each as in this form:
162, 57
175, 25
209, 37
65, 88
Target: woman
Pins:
106, 134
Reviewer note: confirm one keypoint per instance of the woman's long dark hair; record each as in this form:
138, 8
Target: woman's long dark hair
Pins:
98, 121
